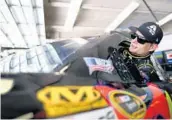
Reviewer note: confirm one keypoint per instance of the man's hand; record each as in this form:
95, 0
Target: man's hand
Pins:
145, 76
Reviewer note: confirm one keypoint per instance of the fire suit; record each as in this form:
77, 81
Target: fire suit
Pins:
143, 64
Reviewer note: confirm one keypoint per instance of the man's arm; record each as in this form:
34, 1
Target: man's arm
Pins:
148, 73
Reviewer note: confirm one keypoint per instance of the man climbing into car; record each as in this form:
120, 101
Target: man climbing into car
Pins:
144, 41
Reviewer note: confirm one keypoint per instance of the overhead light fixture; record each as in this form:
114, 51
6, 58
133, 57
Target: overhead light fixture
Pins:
122, 16
165, 20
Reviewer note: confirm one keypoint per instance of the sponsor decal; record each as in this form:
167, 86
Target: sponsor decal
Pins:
169, 56
128, 104
59, 101
152, 29
124, 98
97, 64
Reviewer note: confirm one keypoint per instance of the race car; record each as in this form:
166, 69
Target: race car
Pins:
49, 96
72, 92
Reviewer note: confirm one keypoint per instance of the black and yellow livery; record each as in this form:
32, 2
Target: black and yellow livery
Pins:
59, 101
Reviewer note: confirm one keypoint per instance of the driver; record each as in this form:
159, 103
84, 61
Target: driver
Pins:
144, 41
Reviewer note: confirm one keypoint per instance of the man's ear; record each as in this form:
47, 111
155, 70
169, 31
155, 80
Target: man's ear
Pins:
153, 47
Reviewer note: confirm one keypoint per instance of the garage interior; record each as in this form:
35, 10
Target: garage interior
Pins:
36, 22
26, 24
40, 40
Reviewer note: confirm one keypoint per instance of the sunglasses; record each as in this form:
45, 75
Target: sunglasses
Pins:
139, 40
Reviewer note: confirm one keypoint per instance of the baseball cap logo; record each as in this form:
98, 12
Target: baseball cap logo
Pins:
152, 29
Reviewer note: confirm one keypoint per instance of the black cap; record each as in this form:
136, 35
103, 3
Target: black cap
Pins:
150, 30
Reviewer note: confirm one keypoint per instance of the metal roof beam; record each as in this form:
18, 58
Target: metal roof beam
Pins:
91, 7
165, 20
72, 14
122, 16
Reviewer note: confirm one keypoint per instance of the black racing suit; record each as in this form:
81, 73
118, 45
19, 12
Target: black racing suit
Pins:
143, 64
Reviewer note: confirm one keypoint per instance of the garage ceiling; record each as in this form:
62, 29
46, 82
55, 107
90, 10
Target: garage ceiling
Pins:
21, 23
27, 23
94, 16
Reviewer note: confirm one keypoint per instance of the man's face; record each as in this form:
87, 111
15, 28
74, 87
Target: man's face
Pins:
140, 49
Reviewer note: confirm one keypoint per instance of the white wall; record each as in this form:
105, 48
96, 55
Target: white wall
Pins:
166, 43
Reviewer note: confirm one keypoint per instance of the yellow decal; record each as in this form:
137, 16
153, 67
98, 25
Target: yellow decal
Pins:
6, 85
59, 101
128, 104
169, 101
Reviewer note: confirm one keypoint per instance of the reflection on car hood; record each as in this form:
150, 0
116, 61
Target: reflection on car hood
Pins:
41, 58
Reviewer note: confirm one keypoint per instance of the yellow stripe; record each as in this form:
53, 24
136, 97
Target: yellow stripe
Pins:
137, 114
169, 101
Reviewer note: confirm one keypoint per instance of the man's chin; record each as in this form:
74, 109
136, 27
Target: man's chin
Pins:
132, 50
